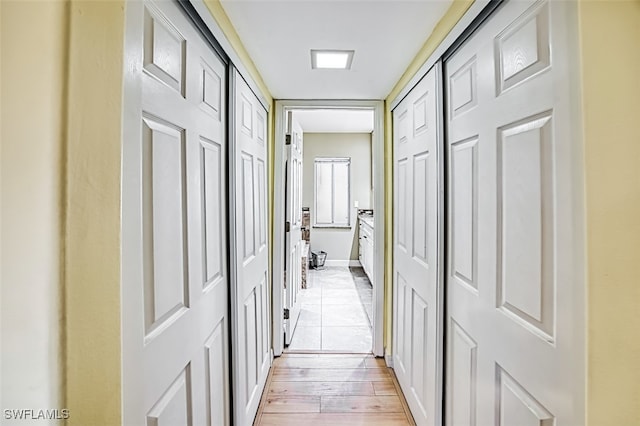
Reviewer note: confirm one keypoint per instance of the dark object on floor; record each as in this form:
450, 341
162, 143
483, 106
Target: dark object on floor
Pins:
318, 258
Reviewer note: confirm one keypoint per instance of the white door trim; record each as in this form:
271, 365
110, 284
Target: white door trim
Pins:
236, 376
281, 109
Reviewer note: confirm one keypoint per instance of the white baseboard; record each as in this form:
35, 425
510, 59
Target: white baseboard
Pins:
388, 359
342, 263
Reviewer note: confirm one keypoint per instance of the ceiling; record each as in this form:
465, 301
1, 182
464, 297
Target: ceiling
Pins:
335, 120
385, 34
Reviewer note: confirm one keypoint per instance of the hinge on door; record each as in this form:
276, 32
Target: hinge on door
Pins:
286, 313
287, 226
287, 140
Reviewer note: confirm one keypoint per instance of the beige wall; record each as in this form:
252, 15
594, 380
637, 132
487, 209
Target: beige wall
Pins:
61, 110
610, 32
340, 244
92, 278
33, 85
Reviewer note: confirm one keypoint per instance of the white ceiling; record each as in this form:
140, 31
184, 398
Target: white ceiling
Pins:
335, 121
385, 34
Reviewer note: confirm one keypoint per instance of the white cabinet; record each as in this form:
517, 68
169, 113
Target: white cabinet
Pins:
366, 247
369, 259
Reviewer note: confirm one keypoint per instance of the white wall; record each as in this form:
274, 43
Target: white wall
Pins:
340, 244
33, 89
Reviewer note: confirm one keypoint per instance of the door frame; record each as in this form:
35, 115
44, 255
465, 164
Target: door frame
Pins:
377, 139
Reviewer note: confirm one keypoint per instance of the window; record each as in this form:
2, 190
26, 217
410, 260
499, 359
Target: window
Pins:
332, 192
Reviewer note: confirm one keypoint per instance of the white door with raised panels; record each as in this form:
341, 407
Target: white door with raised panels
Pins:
250, 301
515, 289
417, 253
174, 227
293, 227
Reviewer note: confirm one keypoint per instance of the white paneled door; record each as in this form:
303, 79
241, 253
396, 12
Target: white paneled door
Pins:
293, 218
250, 302
174, 226
417, 252
515, 290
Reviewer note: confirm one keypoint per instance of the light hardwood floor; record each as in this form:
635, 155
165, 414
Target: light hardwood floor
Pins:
332, 389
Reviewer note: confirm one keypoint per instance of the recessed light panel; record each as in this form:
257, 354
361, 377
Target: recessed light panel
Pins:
331, 59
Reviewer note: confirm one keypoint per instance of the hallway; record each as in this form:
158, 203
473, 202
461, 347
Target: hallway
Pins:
335, 312
332, 389
151, 253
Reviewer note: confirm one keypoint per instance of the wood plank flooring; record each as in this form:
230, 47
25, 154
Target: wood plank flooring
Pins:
332, 389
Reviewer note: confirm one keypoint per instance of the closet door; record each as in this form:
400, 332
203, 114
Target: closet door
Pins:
250, 301
174, 232
515, 290
417, 346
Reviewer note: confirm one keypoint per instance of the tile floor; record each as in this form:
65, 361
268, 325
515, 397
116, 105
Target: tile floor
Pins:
335, 312
332, 390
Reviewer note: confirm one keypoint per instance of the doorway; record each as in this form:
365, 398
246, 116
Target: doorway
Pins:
339, 304
332, 179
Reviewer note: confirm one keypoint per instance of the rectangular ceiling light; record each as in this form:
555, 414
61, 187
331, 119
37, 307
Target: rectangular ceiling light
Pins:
331, 59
